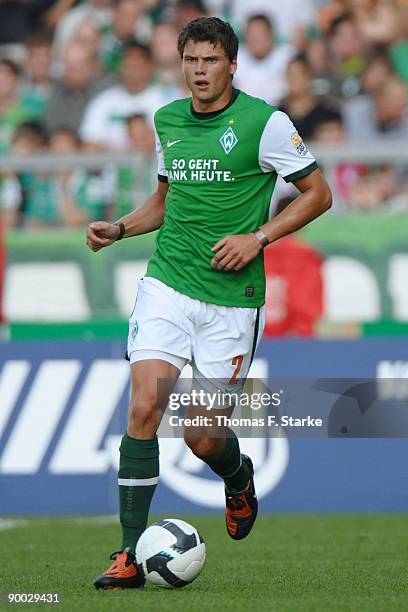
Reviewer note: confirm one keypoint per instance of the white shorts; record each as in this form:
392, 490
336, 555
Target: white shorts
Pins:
219, 341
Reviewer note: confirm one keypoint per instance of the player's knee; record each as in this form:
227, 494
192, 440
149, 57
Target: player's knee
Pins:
143, 420
201, 446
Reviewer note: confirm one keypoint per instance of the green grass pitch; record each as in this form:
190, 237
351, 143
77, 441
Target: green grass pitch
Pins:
295, 563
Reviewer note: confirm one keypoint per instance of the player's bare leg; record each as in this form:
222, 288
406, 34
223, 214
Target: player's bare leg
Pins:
218, 447
138, 468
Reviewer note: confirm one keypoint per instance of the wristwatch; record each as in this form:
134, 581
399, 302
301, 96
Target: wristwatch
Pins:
122, 230
262, 237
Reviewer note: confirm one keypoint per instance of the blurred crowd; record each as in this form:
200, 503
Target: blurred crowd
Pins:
88, 76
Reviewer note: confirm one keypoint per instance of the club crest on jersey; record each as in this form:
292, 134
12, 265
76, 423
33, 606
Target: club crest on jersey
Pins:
228, 140
299, 144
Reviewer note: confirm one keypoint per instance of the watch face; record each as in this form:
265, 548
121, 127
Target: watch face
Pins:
261, 237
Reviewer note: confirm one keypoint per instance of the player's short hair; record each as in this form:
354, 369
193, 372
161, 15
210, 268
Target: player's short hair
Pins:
260, 17
210, 29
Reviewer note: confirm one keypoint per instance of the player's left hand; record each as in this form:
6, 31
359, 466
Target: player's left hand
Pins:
235, 252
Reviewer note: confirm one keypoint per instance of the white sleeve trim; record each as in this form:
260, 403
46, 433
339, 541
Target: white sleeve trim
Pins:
161, 168
281, 149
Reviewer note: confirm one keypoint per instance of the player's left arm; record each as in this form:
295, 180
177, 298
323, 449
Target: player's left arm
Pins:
235, 252
314, 199
281, 150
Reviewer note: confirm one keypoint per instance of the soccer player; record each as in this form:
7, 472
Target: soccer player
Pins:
201, 300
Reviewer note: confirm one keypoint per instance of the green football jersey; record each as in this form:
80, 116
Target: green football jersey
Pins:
221, 168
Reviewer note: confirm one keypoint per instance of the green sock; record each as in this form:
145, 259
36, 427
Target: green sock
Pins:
229, 466
138, 477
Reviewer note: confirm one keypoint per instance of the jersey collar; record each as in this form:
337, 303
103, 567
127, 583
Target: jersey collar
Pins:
211, 114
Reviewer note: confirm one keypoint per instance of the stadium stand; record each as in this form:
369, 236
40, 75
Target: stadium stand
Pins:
81, 81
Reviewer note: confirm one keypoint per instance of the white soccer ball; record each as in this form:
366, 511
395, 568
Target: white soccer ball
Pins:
171, 553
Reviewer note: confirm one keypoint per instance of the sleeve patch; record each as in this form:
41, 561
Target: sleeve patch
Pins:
281, 148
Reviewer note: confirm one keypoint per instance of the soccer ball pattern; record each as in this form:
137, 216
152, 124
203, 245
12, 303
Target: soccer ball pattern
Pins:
171, 553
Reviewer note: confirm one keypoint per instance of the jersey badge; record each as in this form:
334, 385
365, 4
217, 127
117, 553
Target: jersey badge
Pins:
299, 144
228, 140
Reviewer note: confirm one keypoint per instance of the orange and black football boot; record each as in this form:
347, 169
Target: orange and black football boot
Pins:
124, 573
241, 508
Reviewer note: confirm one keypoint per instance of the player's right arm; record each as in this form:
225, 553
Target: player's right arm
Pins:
147, 218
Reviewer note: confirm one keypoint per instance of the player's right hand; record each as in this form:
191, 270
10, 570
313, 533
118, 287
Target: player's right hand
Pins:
101, 234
